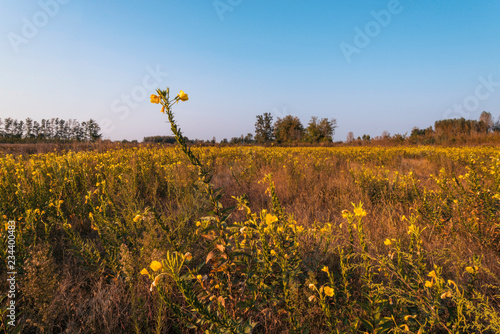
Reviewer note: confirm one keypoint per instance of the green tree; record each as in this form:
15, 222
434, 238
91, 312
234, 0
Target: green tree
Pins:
264, 130
288, 129
92, 130
320, 131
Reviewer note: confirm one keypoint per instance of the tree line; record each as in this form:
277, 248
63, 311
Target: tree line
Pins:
285, 130
447, 131
289, 129
451, 129
48, 130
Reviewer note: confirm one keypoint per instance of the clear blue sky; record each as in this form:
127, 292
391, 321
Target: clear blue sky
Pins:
240, 58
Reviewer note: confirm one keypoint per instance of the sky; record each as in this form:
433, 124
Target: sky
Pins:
373, 66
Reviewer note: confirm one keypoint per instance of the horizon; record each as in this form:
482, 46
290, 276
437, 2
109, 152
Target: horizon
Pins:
374, 67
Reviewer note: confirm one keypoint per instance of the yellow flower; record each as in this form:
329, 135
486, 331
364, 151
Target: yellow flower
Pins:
387, 242
471, 270
155, 98
411, 229
429, 284
155, 265
446, 294
346, 214
188, 256
300, 229
312, 298
329, 291
199, 278
432, 274
273, 253
137, 218
359, 212
312, 286
325, 269
144, 272
182, 96
271, 219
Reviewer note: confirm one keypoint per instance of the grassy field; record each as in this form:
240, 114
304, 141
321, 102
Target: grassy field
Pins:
318, 240
155, 239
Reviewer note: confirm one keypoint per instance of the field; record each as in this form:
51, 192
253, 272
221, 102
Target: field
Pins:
320, 240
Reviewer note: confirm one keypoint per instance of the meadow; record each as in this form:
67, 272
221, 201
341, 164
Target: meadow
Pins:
178, 239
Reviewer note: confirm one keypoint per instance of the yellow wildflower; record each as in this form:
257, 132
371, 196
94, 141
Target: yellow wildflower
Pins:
199, 278
144, 272
312, 286
155, 99
271, 219
446, 294
182, 96
188, 256
387, 242
325, 269
312, 298
155, 265
432, 274
359, 212
346, 214
429, 284
471, 270
137, 218
329, 291
411, 229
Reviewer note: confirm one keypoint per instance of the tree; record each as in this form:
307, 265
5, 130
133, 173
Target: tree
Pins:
487, 120
264, 130
248, 138
92, 130
288, 129
321, 131
28, 128
36, 129
496, 126
350, 137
